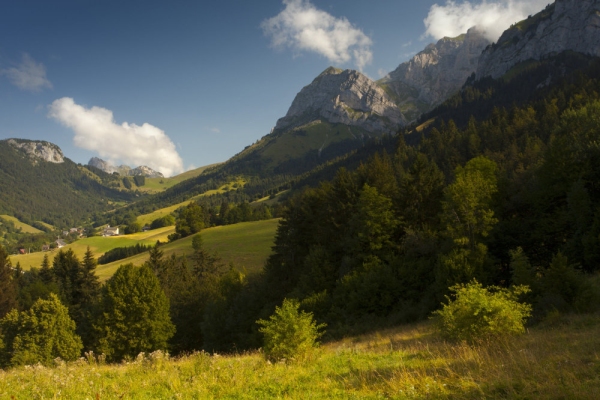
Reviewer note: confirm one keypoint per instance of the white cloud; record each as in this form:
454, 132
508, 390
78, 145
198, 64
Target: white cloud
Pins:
494, 16
215, 130
303, 27
96, 130
28, 75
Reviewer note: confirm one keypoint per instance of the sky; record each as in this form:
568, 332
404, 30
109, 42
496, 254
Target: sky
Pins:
176, 85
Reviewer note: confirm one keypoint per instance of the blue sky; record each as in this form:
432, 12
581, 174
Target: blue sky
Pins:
181, 84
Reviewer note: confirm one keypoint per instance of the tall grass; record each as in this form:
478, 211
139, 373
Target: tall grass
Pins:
552, 361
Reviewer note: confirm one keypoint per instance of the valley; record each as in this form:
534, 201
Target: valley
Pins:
431, 234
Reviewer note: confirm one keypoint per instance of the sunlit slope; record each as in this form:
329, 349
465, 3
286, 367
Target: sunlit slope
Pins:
98, 245
147, 219
155, 185
247, 245
18, 224
408, 362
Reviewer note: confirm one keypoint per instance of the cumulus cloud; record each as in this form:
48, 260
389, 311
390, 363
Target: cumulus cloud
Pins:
28, 75
96, 130
493, 17
303, 27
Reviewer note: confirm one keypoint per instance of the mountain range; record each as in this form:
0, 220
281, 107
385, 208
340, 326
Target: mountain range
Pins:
342, 110
124, 170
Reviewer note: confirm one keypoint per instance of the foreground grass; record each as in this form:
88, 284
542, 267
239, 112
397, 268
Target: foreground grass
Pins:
410, 362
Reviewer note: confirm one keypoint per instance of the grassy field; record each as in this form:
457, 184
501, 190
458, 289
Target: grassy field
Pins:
18, 224
147, 219
549, 362
98, 244
154, 185
247, 245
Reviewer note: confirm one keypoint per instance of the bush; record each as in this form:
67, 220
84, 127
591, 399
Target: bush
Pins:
481, 313
289, 333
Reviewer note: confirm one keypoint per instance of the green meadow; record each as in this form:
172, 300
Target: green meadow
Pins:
155, 185
18, 224
247, 245
558, 360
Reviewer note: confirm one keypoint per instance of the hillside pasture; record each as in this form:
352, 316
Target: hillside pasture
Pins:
146, 219
156, 185
98, 245
18, 224
246, 245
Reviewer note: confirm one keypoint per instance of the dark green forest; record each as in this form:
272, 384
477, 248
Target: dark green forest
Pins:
58, 194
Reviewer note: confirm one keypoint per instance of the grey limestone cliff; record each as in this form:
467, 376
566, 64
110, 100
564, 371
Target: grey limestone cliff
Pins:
435, 73
124, 170
39, 150
566, 25
347, 97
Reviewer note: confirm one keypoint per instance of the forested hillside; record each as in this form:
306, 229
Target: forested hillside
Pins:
60, 194
507, 198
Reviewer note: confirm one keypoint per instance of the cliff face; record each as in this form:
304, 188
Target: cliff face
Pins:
39, 150
436, 73
347, 97
565, 25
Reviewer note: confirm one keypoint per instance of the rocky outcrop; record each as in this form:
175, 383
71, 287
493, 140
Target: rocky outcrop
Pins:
436, 73
346, 97
102, 165
39, 150
145, 171
566, 25
124, 170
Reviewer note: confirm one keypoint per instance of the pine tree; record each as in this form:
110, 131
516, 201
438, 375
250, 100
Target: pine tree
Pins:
46, 273
8, 285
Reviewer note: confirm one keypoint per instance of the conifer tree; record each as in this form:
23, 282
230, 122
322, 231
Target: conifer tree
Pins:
8, 285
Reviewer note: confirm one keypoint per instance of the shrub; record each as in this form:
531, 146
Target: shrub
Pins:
289, 333
479, 313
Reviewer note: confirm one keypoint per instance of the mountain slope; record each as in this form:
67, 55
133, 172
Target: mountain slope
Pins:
435, 73
572, 25
46, 186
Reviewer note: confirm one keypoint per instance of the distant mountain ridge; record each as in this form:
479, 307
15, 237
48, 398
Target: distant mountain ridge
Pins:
124, 170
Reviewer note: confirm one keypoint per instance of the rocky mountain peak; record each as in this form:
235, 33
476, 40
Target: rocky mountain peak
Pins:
435, 73
39, 150
347, 97
566, 25
124, 170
